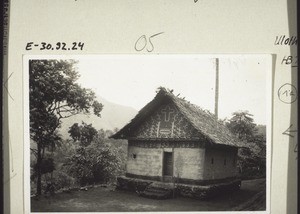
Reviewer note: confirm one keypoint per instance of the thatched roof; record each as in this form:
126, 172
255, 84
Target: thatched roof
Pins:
203, 121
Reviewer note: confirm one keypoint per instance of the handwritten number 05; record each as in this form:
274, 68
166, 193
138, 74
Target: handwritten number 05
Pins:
142, 42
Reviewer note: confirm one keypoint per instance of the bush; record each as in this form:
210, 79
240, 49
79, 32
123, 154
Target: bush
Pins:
62, 180
96, 163
251, 165
70, 164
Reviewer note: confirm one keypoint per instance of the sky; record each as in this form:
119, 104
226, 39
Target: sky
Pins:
132, 80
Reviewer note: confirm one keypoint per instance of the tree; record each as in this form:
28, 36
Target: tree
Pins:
54, 95
251, 160
241, 124
83, 133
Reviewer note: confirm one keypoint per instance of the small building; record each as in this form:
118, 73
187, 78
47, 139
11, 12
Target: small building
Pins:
171, 140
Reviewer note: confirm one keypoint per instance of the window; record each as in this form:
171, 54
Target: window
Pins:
212, 160
133, 156
225, 162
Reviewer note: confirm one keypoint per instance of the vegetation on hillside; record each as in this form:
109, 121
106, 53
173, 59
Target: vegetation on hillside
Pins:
54, 96
76, 164
251, 158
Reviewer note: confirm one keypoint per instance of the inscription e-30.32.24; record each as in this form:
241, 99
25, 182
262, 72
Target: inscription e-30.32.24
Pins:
57, 46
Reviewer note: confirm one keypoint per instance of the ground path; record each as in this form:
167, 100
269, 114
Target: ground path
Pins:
102, 199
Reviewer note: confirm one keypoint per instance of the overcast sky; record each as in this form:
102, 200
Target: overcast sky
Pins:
133, 79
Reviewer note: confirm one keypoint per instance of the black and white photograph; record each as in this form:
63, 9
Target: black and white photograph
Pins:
148, 133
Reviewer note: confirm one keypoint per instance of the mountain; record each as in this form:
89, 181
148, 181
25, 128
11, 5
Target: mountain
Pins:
112, 116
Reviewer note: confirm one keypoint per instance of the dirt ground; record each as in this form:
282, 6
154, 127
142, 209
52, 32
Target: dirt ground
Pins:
101, 199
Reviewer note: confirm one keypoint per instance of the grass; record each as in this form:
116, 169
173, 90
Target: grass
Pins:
101, 199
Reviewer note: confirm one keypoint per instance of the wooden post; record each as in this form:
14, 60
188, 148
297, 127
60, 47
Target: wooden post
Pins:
217, 88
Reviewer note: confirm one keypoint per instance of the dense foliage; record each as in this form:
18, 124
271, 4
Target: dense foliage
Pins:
77, 165
54, 95
96, 163
252, 158
83, 133
242, 125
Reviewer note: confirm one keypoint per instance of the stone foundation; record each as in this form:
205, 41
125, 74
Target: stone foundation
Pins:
192, 191
132, 184
208, 191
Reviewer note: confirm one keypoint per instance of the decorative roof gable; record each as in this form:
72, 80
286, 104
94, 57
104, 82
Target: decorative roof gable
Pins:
188, 121
165, 122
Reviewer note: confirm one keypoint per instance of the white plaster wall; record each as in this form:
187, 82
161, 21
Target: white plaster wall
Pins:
188, 163
148, 161
217, 169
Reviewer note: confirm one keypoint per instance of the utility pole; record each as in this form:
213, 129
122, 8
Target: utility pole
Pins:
217, 88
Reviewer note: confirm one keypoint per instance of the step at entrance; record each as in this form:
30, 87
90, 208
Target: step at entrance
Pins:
158, 191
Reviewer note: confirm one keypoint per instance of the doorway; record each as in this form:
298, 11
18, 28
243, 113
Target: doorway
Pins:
168, 166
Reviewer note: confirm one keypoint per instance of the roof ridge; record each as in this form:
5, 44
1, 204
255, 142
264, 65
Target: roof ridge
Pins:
194, 105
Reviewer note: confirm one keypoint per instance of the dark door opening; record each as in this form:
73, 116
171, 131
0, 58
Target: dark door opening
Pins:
168, 165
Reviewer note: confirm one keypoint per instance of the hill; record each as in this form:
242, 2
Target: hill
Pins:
261, 130
112, 116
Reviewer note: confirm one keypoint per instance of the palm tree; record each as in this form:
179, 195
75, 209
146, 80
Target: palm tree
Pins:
242, 124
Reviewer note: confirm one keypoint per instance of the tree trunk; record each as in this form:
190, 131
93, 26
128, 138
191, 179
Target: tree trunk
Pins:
38, 170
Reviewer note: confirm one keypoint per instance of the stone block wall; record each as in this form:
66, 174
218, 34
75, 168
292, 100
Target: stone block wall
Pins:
143, 187
208, 191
